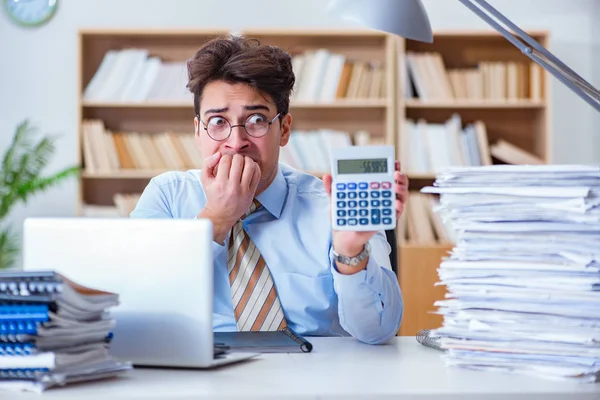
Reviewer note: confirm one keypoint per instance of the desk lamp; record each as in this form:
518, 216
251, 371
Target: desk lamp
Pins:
408, 18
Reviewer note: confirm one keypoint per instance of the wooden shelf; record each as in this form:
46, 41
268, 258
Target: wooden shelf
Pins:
344, 103
476, 104
142, 174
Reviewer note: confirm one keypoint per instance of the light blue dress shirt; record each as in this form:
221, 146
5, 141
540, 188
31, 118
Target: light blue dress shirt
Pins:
293, 233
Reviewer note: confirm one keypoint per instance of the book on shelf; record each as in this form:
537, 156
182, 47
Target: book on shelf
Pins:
429, 148
325, 76
53, 331
132, 75
427, 78
421, 225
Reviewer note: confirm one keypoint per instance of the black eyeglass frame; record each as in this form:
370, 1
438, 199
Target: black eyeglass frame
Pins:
233, 126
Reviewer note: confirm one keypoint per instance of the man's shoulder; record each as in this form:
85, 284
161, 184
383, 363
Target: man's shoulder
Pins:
304, 183
177, 178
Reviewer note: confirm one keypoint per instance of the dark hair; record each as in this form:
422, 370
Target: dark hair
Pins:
238, 59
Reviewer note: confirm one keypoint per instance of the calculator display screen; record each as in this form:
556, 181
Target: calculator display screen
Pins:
363, 166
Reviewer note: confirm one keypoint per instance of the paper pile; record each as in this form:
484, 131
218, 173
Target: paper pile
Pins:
53, 332
523, 280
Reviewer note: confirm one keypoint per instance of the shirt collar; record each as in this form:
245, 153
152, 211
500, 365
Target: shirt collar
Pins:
273, 196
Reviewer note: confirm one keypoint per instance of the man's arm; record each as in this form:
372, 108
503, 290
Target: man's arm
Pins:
369, 301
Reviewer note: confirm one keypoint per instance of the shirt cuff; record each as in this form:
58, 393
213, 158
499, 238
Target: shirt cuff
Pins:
372, 275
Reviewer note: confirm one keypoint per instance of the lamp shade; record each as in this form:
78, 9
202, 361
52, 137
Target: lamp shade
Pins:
406, 18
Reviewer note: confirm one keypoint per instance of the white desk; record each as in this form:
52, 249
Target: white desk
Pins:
338, 368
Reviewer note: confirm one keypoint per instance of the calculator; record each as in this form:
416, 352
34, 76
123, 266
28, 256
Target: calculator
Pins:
363, 197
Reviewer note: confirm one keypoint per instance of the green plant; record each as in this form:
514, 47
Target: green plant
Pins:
21, 177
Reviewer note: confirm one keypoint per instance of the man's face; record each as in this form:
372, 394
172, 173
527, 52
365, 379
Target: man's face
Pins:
224, 103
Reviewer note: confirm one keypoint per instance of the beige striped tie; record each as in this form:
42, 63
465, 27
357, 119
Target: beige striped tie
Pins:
255, 301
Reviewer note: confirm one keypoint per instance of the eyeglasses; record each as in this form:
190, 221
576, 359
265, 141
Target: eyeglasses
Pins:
256, 125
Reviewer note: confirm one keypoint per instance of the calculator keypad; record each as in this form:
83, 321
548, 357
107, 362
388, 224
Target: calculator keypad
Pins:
371, 203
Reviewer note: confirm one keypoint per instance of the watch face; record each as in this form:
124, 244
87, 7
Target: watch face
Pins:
30, 12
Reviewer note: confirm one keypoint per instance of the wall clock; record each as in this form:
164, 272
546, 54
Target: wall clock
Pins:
30, 12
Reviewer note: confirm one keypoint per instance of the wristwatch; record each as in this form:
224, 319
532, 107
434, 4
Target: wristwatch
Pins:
352, 261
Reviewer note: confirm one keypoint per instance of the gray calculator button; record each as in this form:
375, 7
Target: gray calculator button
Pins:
363, 203
363, 195
341, 204
341, 213
386, 211
363, 213
341, 222
352, 221
341, 195
375, 203
387, 221
386, 193
352, 195
364, 221
386, 203
352, 204
352, 213
374, 195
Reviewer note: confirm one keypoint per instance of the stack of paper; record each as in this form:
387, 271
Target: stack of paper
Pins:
53, 331
523, 281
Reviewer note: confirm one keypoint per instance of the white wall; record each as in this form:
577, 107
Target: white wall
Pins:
38, 67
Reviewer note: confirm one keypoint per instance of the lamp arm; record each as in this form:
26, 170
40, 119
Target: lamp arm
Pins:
535, 51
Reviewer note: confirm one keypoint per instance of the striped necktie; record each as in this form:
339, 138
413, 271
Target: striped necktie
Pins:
255, 301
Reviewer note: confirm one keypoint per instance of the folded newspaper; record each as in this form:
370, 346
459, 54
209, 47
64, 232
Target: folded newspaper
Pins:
523, 280
53, 332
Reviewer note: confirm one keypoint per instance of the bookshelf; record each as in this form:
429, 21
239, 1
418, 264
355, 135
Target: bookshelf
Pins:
155, 122
470, 97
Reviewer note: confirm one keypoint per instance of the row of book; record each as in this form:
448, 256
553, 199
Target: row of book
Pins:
106, 151
133, 75
53, 332
523, 280
427, 78
324, 76
420, 224
428, 148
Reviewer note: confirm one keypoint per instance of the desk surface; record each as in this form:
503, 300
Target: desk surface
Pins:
337, 368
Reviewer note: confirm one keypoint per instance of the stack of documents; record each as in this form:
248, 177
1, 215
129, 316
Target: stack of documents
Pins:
523, 281
53, 331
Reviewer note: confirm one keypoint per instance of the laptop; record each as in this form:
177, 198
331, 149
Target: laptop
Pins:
162, 270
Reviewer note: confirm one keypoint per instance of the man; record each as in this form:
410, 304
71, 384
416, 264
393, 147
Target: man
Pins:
277, 261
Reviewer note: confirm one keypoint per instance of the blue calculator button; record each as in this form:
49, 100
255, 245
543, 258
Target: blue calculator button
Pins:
352, 204
386, 203
363, 195
341, 195
387, 221
352, 213
375, 220
386, 194
352, 221
341, 204
364, 221
375, 212
352, 186
363, 203
363, 213
341, 213
375, 195
341, 222
386, 211
352, 195
363, 185
375, 203
340, 186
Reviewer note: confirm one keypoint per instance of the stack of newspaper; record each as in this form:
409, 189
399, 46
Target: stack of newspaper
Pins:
53, 332
523, 280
